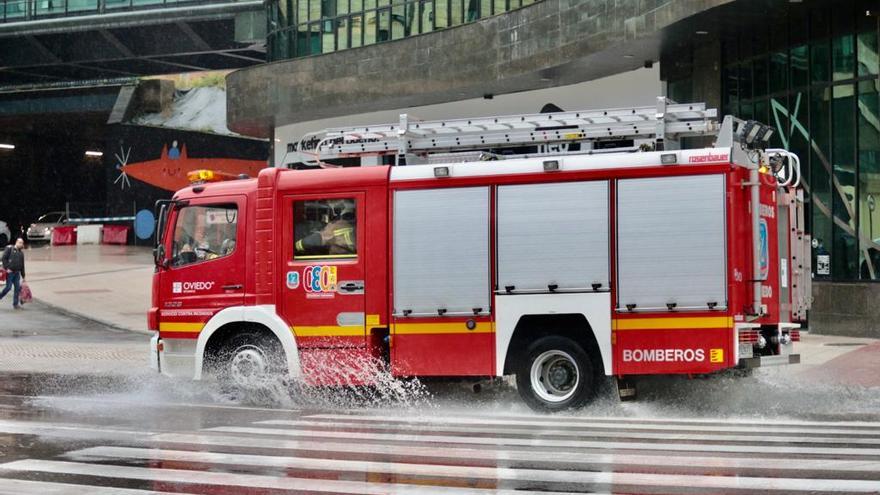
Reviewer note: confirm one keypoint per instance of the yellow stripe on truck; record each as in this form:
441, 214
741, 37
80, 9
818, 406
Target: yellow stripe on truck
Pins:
177, 326
672, 323
328, 331
433, 328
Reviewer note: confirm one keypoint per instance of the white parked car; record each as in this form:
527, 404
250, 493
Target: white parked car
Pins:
41, 230
5, 234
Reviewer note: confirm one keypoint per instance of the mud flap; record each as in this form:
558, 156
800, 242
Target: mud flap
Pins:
155, 365
626, 389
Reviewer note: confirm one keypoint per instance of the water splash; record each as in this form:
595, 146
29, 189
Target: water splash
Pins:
772, 393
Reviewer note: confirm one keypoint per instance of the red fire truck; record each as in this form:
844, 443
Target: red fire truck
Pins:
561, 248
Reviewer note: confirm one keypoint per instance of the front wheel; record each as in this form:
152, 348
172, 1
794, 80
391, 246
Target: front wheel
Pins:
556, 374
250, 362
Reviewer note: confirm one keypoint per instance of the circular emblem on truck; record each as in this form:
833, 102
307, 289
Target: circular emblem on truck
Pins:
292, 280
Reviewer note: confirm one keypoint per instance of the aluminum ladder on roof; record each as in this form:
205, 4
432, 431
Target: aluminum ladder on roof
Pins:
412, 141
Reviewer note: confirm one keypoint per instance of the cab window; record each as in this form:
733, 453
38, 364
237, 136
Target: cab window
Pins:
204, 233
325, 229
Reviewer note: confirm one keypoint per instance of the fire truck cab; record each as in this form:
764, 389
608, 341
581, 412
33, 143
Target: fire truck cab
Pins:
561, 265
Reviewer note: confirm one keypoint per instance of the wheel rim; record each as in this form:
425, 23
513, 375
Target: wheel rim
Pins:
249, 366
554, 376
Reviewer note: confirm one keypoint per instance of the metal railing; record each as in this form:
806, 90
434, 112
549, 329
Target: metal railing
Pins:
27, 10
82, 83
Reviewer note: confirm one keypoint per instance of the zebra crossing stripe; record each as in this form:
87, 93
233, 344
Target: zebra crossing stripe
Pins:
550, 443
28, 487
52, 399
554, 419
623, 419
761, 429
531, 457
243, 480
67, 430
491, 474
477, 456
715, 437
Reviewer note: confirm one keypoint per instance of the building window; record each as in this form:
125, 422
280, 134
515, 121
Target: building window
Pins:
869, 179
843, 55
845, 257
820, 168
817, 84
299, 28
868, 53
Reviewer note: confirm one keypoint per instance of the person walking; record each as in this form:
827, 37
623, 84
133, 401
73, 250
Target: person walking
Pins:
13, 263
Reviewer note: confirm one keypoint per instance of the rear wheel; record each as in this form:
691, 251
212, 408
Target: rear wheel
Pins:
556, 374
250, 361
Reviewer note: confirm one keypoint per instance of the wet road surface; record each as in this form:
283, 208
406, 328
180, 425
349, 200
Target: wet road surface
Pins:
126, 431
66, 434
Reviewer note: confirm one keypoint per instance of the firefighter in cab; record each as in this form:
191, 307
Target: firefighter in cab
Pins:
334, 234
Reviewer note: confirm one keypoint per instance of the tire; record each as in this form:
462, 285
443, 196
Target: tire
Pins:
556, 374
250, 362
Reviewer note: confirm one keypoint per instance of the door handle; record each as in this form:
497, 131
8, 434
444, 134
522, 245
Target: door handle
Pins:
352, 287
233, 287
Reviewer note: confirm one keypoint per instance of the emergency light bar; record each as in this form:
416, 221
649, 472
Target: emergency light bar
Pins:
203, 175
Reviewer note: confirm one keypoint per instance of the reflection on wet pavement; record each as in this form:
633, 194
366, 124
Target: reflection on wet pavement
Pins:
70, 434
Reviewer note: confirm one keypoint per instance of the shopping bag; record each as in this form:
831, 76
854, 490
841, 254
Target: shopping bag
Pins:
26, 294
2, 275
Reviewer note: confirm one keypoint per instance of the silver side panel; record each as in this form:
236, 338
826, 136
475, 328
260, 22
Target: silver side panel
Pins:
784, 222
441, 251
801, 269
671, 242
553, 234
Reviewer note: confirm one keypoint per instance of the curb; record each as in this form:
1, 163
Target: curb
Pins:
99, 321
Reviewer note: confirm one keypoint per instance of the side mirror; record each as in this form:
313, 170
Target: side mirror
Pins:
159, 256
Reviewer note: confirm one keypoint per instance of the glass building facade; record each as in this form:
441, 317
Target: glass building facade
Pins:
20, 10
299, 28
814, 77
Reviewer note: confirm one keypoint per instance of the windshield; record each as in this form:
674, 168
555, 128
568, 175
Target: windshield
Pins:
51, 218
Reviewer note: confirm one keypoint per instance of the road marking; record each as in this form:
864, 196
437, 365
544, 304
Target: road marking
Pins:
588, 423
381, 415
67, 430
55, 398
465, 455
540, 442
496, 474
567, 459
495, 430
27, 487
242, 480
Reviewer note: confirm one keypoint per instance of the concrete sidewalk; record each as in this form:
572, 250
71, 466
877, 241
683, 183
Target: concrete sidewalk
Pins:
853, 362
108, 284
43, 340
